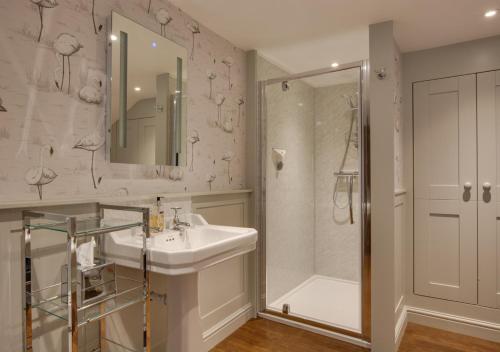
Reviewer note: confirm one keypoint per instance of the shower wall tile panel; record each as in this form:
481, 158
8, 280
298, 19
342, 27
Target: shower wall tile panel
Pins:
337, 242
289, 192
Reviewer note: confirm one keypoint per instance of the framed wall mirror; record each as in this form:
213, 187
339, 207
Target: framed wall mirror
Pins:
147, 76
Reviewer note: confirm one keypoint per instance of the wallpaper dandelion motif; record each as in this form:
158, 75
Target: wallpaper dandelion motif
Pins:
194, 27
228, 157
2, 108
195, 138
41, 175
66, 45
210, 179
241, 101
163, 18
228, 61
53, 95
97, 29
219, 101
43, 4
211, 75
91, 143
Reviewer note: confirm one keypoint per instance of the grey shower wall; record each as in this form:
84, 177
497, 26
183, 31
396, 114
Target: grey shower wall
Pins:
38, 114
304, 234
289, 192
337, 243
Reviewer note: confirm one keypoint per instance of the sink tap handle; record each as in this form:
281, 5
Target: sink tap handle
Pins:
176, 216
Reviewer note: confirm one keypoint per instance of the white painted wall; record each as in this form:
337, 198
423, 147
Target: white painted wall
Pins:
400, 205
383, 52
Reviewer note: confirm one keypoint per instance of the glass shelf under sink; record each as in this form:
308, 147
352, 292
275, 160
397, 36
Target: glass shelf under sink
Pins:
126, 296
88, 226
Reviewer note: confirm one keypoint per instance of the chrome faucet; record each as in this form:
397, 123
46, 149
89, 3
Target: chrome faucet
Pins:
178, 224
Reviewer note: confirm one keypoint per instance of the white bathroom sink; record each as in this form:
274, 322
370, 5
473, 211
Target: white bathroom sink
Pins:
174, 253
180, 257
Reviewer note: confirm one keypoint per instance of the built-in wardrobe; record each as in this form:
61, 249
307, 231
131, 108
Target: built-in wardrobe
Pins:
456, 150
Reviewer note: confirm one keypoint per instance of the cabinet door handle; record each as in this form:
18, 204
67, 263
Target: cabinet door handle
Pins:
467, 188
486, 192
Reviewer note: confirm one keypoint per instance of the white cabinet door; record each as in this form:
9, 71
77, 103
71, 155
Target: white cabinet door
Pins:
488, 124
445, 188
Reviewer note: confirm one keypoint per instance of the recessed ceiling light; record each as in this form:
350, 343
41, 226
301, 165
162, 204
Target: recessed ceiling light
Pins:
154, 44
335, 64
113, 37
490, 13
137, 89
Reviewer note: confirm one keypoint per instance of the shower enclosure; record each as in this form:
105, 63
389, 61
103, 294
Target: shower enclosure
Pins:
315, 240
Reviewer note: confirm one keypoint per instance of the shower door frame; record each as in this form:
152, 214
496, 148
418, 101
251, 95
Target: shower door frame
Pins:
365, 249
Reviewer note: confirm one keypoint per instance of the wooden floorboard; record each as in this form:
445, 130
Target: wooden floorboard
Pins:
261, 335
420, 338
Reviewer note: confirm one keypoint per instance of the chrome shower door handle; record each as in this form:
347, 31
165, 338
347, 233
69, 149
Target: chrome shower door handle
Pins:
351, 181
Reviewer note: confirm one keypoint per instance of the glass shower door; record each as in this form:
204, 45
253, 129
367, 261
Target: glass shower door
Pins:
313, 198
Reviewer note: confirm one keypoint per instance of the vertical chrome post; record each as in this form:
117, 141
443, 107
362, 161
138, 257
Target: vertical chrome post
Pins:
27, 316
103, 346
147, 302
261, 197
72, 285
365, 203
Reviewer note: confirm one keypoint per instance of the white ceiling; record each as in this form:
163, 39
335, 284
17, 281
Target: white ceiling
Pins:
301, 35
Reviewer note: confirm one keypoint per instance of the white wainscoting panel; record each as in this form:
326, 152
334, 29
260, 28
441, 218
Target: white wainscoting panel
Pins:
400, 218
224, 289
225, 299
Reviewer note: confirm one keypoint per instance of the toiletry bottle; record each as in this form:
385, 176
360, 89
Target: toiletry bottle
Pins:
154, 217
161, 215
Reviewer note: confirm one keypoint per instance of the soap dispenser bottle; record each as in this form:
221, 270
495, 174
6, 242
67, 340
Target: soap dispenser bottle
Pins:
161, 215
157, 221
154, 217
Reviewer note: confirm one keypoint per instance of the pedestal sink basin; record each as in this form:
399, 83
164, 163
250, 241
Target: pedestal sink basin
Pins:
180, 255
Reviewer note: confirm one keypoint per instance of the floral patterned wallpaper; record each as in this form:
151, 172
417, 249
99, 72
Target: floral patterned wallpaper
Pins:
53, 102
398, 123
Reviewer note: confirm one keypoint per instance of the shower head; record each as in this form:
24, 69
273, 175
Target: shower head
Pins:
285, 86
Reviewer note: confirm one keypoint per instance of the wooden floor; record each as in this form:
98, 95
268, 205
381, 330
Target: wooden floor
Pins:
420, 338
260, 335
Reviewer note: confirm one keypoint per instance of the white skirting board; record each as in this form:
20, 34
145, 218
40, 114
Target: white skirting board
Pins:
401, 323
454, 323
227, 326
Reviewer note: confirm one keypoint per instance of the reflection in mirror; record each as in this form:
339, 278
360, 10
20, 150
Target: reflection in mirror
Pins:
148, 89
